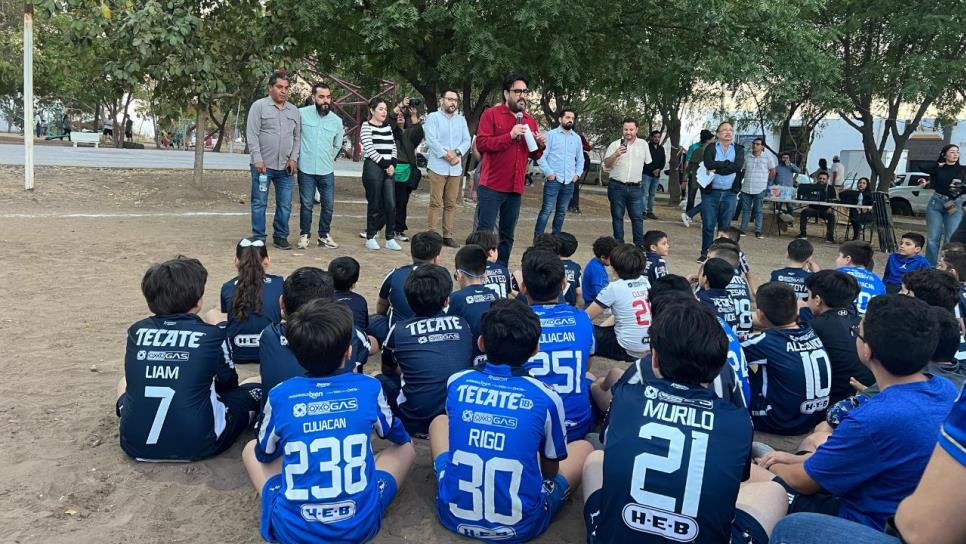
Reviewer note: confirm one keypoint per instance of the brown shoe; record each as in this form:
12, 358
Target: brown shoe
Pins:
449, 242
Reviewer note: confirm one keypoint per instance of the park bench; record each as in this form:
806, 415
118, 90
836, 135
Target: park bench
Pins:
86, 138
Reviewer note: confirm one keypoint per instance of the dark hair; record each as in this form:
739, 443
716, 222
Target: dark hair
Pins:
629, 120
944, 150
727, 251
800, 250
901, 333
719, 272
564, 112
820, 174
250, 282
934, 287
425, 246
449, 90
947, 345
837, 289
486, 239
760, 140
953, 247
472, 260
868, 184
512, 78
543, 275
783, 153
374, 103
689, 343
730, 232
427, 289
706, 135
860, 252
823, 164
652, 237
653, 132
671, 283
778, 302
568, 244
957, 261
305, 284
550, 242
723, 123
320, 85
628, 261
917, 239
319, 334
345, 272
175, 286
604, 246
510, 331
665, 298
278, 74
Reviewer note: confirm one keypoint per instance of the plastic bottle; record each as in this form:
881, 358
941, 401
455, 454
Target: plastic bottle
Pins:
263, 183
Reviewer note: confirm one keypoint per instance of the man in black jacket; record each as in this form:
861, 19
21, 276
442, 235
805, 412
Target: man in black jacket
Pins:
652, 172
822, 212
724, 159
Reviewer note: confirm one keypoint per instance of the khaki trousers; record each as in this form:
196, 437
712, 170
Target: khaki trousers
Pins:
444, 191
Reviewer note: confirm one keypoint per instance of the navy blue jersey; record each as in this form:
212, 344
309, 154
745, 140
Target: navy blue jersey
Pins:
566, 344
498, 423
870, 285
428, 350
392, 290
961, 306
741, 294
357, 303
721, 303
674, 459
243, 335
497, 277
174, 366
278, 363
790, 391
656, 267
320, 427
470, 303
793, 277
572, 272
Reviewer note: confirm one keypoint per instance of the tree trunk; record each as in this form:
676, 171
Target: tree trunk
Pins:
201, 122
221, 128
673, 124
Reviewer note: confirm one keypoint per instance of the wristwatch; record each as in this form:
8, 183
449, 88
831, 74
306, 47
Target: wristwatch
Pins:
459, 153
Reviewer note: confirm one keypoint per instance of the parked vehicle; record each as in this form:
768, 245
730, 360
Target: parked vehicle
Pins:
910, 193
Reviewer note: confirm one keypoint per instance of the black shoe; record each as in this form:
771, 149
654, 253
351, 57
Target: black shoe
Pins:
574, 210
650, 215
281, 243
701, 259
449, 242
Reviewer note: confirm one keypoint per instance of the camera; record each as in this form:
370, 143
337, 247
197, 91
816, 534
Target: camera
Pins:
415, 102
955, 188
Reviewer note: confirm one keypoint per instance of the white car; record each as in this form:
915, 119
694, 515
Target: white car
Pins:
910, 193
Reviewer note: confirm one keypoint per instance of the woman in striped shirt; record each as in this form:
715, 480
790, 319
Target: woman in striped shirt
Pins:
379, 148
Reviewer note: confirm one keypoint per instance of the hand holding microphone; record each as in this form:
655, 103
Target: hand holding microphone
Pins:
519, 128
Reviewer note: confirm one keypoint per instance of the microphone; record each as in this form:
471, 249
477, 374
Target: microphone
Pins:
519, 121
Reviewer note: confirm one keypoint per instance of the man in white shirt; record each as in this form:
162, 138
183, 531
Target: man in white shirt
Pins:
759, 169
837, 173
625, 160
448, 139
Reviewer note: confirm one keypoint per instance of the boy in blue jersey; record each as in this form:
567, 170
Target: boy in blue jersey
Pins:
908, 257
799, 267
179, 399
656, 249
790, 389
473, 299
713, 279
595, 276
277, 362
740, 287
392, 305
675, 454
502, 460
878, 452
566, 340
855, 259
568, 246
312, 463
497, 274
422, 352
345, 275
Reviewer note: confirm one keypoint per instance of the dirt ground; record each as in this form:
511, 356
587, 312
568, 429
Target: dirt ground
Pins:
78, 245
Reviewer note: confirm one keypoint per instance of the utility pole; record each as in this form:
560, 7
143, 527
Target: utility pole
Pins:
28, 96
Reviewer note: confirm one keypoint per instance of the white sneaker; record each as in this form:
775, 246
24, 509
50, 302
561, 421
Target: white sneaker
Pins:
685, 219
683, 205
401, 237
363, 235
393, 245
303, 241
371, 243
328, 242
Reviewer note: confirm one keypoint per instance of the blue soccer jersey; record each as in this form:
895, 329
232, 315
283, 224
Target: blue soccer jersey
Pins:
674, 458
741, 294
572, 272
594, 279
490, 484
656, 267
721, 303
566, 344
794, 278
329, 489
277, 363
952, 436
790, 391
175, 366
427, 351
870, 285
497, 278
738, 362
470, 303
243, 334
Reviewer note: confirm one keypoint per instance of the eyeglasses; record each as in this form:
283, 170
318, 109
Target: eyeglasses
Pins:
520, 91
460, 271
251, 243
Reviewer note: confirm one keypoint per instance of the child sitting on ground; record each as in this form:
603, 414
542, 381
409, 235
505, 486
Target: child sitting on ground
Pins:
739, 287
345, 275
497, 275
473, 299
312, 463
713, 279
855, 259
595, 276
657, 247
799, 267
392, 306
954, 262
568, 246
623, 336
908, 257
179, 399
734, 234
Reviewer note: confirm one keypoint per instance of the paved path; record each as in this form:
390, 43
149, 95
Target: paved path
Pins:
110, 157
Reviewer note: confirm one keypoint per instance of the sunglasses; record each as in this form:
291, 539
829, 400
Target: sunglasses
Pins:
251, 243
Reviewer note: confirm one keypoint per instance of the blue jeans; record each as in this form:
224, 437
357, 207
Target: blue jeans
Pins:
630, 198
283, 203
649, 185
556, 197
753, 203
308, 183
717, 210
491, 204
940, 225
823, 529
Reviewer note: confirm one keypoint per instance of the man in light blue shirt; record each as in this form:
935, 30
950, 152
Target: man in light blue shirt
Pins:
322, 133
562, 163
719, 199
448, 139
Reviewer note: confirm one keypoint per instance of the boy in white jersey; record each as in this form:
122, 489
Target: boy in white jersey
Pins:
623, 337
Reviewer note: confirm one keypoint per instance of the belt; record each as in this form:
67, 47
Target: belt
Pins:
619, 182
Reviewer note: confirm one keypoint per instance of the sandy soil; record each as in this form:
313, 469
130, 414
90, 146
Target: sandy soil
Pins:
78, 246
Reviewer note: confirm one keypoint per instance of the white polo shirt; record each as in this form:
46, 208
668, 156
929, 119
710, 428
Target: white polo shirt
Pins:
629, 167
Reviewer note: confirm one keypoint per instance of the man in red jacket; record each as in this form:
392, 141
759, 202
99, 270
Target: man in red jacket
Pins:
501, 138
